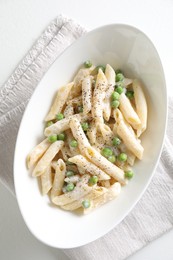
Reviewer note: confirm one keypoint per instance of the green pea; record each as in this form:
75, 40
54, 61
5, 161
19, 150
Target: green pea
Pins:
130, 94
80, 109
129, 174
115, 95
106, 152
102, 67
85, 126
93, 180
118, 71
119, 77
69, 173
52, 138
116, 141
59, 116
115, 104
112, 158
49, 123
74, 143
119, 90
70, 187
69, 163
122, 157
87, 64
61, 136
86, 203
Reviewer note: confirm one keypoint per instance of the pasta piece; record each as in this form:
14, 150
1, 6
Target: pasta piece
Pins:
106, 133
62, 125
68, 111
91, 133
81, 161
110, 75
99, 144
59, 101
79, 135
74, 101
79, 191
141, 106
58, 179
118, 116
73, 150
46, 159
66, 153
130, 156
72, 179
127, 82
128, 111
98, 97
46, 180
106, 184
82, 73
111, 194
54, 164
81, 170
96, 192
129, 139
37, 153
110, 168
86, 94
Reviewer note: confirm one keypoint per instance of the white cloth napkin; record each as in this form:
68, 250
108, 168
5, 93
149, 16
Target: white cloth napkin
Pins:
152, 216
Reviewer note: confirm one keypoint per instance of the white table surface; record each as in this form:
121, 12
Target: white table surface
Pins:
21, 23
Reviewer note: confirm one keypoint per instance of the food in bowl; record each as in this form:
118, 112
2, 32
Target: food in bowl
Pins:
92, 138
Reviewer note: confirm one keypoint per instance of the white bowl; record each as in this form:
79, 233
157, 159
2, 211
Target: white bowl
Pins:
123, 47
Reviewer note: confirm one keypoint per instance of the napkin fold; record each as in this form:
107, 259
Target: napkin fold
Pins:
153, 214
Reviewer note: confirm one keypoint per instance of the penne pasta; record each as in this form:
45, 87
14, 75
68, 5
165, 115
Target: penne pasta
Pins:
58, 179
37, 153
66, 153
106, 133
68, 111
111, 193
82, 73
79, 135
111, 169
80, 191
46, 180
81, 170
46, 159
141, 106
110, 75
73, 150
63, 125
129, 139
80, 76
98, 97
96, 192
91, 133
72, 179
106, 183
87, 94
82, 162
74, 101
128, 111
59, 102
